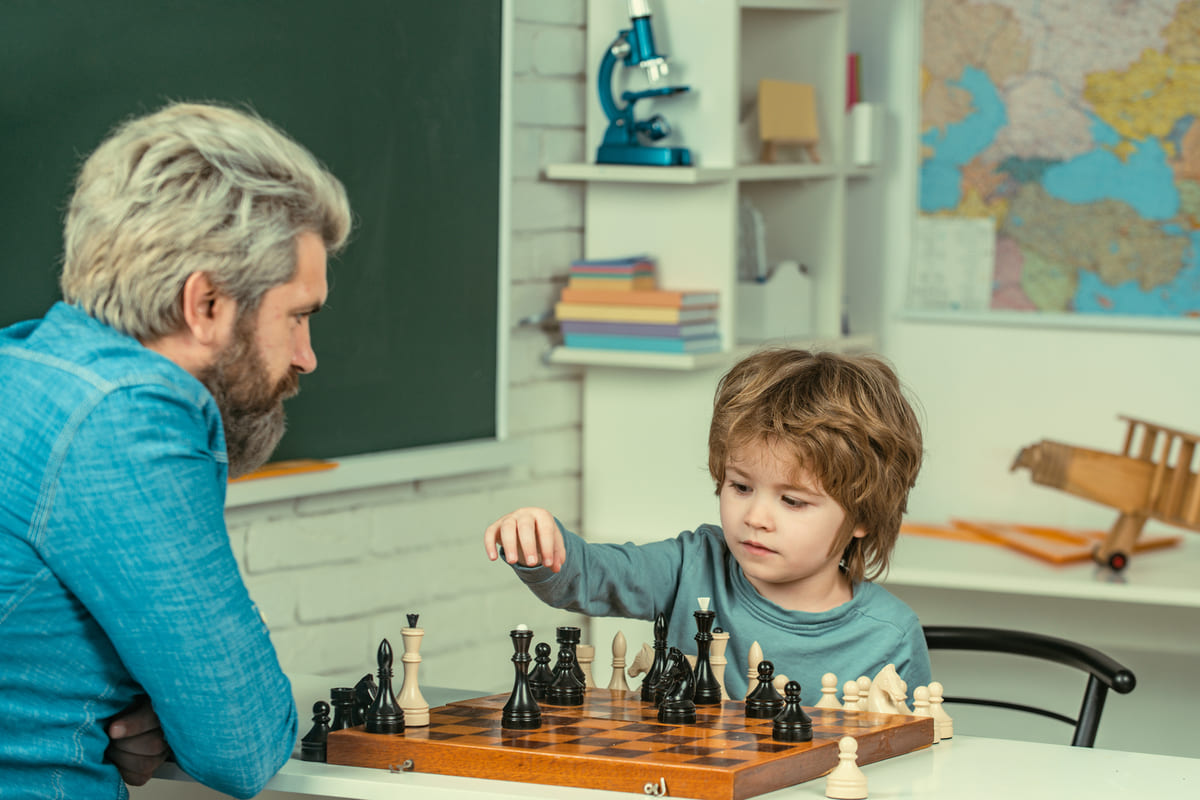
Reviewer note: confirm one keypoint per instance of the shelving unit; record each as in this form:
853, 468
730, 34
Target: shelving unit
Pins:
646, 416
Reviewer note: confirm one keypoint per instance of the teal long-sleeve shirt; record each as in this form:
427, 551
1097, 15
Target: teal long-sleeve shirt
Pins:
859, 637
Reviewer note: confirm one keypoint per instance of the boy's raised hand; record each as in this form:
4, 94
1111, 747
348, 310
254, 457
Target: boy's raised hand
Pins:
528, 535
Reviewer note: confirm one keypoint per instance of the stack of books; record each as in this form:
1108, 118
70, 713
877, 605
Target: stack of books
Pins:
619, 313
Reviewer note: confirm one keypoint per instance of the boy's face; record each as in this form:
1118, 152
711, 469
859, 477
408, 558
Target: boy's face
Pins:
781, 527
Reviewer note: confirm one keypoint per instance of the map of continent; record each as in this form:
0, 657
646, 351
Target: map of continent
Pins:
1074, 128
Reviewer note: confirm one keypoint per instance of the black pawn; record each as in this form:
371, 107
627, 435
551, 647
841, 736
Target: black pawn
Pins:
312, 746
542, 676
521, 712
342, 700
792, 724
384, 715
765, 701
566, 690
708, 689
364, 694
660, 659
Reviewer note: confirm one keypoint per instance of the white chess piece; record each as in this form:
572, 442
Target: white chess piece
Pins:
780, 682
617, 682
753, 660
829, 691
410, 700
850, 696
718, 660
921, 708
864, 687
944, 722
585, 654
887, 693
642, 661
847, 781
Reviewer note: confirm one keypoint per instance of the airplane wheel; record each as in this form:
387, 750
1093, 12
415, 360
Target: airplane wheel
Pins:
1118, 561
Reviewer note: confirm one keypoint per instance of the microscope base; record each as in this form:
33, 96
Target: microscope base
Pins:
644, 156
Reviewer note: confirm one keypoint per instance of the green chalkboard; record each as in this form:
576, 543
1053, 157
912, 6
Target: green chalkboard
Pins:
400, 99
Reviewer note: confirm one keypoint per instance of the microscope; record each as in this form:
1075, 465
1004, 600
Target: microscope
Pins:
623, 140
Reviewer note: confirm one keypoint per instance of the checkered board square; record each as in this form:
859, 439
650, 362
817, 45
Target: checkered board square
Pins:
614, 741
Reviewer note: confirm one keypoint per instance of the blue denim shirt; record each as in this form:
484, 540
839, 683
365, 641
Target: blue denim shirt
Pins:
116, 573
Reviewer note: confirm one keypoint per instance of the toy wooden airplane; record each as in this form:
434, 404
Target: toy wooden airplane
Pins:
1154, 480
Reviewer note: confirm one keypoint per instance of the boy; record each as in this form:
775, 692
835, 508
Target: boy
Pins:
813, 455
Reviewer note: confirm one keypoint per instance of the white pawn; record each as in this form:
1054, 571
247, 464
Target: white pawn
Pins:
829, 691
718, 660
755, 657
585, 654
921, 708
864, 689
850, 696
944, 722
847, 781
617, 682
780, 683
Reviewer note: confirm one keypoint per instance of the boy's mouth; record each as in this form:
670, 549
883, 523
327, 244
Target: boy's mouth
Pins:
754, 548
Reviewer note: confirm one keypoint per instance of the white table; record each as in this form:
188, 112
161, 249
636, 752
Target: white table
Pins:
957, 769
1148, 617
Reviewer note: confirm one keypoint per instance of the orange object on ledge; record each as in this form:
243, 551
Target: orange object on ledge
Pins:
296, 466
1059, 546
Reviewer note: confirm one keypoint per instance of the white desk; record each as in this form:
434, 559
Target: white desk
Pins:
1147, 617
957, 769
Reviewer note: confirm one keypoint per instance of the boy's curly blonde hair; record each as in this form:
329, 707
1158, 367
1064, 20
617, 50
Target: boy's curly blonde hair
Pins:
847, 423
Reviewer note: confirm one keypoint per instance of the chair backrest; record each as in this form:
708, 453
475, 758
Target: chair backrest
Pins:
1104, 672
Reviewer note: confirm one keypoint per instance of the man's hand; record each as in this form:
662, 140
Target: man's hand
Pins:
137, 746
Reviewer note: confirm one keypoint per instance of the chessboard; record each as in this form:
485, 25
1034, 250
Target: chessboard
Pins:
614, 741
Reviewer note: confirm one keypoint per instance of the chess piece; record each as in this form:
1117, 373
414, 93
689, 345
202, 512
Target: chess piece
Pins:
888, 692
944, 722
586, 654
764, 701
568, 636
642, 661
779, 682
719, 644
921, 708
384, 716
792, 724
677, 690
846, 781
864, 687
542, 676
829, 691
850, 696
416, 710
617, 682
364, 694
521, 712
752, 661
566, 689
313, 745
708, 691
342, 700
660, 658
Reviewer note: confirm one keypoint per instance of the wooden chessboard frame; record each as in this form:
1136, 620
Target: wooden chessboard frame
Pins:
615, 742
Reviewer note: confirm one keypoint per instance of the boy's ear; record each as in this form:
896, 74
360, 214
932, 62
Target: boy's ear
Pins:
207, 311
859, 533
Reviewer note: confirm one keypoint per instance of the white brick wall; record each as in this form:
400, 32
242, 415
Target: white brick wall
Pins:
334, 574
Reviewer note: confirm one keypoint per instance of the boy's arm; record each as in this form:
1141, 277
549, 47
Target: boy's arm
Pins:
529, 536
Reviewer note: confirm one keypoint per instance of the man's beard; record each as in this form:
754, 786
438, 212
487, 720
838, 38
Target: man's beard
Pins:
251, 408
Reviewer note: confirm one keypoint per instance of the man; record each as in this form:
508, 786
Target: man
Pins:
195, 254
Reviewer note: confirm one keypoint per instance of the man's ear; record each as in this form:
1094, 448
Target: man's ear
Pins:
207, 311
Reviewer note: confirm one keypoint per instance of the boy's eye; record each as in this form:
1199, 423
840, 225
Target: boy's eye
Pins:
741, 488
793, 502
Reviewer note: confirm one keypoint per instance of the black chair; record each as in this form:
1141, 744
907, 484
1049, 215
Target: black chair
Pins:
1104, 672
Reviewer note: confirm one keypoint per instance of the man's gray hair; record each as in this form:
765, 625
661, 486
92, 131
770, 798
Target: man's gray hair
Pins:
192, 188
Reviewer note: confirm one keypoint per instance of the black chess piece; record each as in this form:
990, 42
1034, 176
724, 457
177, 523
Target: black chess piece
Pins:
792, 724
678, 687
708, 688
660, 657
313, 745
521, 712
412, 619
569, 636
342, 699
384, 715
670, 662
364, 694
566, 690
541, 676
765, 701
